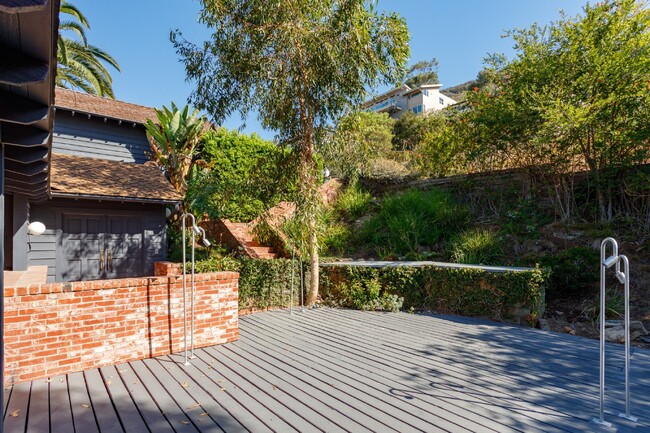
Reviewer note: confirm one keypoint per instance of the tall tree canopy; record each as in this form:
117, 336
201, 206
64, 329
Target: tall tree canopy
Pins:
422, 72
300, 63
576, 96
80, 64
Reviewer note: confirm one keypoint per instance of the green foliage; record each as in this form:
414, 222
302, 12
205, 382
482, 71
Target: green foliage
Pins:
353, 202
476, 246
248, 176
359, 138
80, 65
422, 72
469, 292
614, 305
411, 128
576, 95
573, 271
300, 65
412, 222
262, 283
174, 138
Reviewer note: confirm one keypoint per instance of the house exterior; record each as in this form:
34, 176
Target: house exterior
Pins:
398, 101
105, 214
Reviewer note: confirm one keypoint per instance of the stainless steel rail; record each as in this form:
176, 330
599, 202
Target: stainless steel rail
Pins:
623, 277
195, 231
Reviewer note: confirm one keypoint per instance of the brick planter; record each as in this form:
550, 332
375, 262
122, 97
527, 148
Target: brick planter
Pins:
60, 328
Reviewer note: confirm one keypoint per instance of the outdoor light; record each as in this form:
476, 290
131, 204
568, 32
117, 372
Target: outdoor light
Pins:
610, 261
168, 212
205, 241
620, 276
36, 228
326, 173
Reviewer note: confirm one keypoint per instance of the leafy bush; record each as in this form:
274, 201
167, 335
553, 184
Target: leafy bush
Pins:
245, 177
573, 271
469, 292
476, 246
412, 222
262, 283
353, 202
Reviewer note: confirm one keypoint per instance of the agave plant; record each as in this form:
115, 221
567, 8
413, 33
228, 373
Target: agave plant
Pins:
80, 64
174, 141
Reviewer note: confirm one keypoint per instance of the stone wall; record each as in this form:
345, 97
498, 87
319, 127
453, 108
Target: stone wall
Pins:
60, 328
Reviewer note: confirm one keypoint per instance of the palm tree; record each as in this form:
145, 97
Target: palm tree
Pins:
174, 140
80, 63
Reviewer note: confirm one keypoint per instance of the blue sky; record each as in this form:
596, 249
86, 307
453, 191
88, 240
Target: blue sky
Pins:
459, 33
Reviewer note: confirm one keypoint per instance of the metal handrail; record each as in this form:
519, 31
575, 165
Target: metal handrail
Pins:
195, 231
624, 278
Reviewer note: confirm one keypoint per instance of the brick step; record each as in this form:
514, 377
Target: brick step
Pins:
263, 250
253, 244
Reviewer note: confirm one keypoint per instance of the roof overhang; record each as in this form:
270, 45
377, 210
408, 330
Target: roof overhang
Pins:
114, 198
27, 74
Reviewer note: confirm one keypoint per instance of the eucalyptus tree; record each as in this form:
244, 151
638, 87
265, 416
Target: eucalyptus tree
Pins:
80, 64
300, 64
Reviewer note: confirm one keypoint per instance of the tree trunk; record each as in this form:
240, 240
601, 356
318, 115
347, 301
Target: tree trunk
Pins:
313, 251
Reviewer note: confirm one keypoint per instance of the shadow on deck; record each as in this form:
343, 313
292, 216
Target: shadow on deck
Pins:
340, 370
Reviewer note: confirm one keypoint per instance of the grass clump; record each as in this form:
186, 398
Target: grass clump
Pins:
412, 222
476, 246
353, 202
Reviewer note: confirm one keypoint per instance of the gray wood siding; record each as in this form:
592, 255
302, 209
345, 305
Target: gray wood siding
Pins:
94, 138
43, 249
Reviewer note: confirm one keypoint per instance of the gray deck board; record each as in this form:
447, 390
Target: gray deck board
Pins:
174, 413
151, 413
348, 371
39, 410
472, 417
60, 410
82, 411
104, 412
16, 414
125, 408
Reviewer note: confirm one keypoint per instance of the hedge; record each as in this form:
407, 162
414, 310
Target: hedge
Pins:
262, 283
466, 292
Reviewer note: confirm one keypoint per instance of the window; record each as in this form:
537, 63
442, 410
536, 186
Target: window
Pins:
417, 109
426, 92
442, 101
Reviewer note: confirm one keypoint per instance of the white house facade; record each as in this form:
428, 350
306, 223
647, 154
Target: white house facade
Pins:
399, 101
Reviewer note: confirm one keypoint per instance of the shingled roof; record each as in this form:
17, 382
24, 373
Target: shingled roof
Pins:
104, 107
76, 176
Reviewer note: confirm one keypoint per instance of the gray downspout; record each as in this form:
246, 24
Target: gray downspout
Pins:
2, 282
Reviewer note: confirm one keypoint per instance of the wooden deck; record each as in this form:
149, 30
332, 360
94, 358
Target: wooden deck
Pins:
339, 370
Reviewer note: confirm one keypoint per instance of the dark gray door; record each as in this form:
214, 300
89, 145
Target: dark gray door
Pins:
82, 242
99, 246
123, 247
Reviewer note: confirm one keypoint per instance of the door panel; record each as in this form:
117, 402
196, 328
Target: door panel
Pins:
99, 246
124, 245
82, 240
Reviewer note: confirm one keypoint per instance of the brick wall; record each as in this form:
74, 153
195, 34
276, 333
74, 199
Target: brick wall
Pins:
60, 328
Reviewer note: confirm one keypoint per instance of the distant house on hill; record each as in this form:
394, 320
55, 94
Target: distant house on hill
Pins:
104, 212
419, 100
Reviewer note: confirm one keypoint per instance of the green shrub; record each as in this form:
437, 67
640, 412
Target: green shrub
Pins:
573, 271
469, 292
353, 202
413, 221
247, 176
476, 246
262, 283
